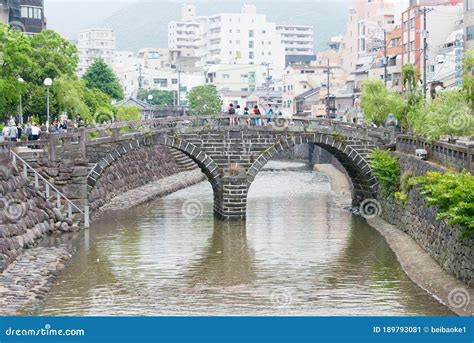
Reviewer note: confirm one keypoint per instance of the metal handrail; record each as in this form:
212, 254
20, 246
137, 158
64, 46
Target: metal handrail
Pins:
59, 195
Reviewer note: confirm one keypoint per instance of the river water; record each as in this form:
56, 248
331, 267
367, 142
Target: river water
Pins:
299, 253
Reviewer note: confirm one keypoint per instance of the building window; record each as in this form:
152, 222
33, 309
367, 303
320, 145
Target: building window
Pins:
251, 55
470, 33
251, 44
412, 46
31, 12
263, 31
174, 81
226, 76
161, 82
251, 33
412, 23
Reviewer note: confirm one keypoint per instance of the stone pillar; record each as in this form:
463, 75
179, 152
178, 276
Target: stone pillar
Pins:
231, 203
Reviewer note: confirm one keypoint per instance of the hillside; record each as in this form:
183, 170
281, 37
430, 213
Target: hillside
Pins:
144, 24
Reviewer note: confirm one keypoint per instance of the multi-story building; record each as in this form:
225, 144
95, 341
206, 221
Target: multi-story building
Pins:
393, 60
468, 21
298, 41
93, 44
442, 19
24, 15
155, 68
299, 79
243, 38
367, 22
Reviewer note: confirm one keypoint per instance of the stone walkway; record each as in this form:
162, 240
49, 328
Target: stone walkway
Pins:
141, 195
26, 282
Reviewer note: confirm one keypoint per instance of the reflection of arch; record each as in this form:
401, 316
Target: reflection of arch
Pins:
365, 185
228, 259
204, 161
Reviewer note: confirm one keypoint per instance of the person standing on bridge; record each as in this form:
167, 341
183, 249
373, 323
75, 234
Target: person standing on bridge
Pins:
239, 112
256, 112
269, 113
231, 112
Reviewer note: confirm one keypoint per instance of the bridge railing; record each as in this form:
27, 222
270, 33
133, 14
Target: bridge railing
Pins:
282, 123
458, 156
49, 191
55, 143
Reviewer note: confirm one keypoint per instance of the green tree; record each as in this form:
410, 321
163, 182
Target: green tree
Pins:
411, 77
468, 78
204, 100
377, 102
127, 113
33, 58
160, 97
70, 96
99, 75
95, 99
448, 115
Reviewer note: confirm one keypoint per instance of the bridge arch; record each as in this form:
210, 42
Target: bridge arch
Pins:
193, 152
351, 156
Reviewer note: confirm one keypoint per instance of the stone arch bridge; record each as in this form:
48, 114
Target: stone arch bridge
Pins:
230, 156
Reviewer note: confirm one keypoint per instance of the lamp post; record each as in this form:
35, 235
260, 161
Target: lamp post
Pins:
20, 80
47, 83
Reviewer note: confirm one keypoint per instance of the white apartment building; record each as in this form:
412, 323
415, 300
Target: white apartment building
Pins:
297, 39
365, 30
238, 77
244, 38
154, 68
94, 44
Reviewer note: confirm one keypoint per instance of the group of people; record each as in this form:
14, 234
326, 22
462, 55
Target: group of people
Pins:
15, 132
255, 111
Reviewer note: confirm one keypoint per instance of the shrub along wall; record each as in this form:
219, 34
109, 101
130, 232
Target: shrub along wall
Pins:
414, 217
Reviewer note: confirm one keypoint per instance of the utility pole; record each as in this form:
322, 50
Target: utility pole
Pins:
268, 83
328, 86
140, 77
425, 11
385, 60
179, 84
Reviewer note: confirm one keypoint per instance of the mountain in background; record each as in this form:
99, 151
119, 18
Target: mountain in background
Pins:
145, 24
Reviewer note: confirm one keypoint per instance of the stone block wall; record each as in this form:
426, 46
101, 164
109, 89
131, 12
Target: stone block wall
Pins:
437, 238
25, 215
135, 169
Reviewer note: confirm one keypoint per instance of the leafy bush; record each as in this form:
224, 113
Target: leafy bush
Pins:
453, 194
127, 113
386, 169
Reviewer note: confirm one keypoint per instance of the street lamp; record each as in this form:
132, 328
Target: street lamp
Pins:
150, 98
20, 80
47, 83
